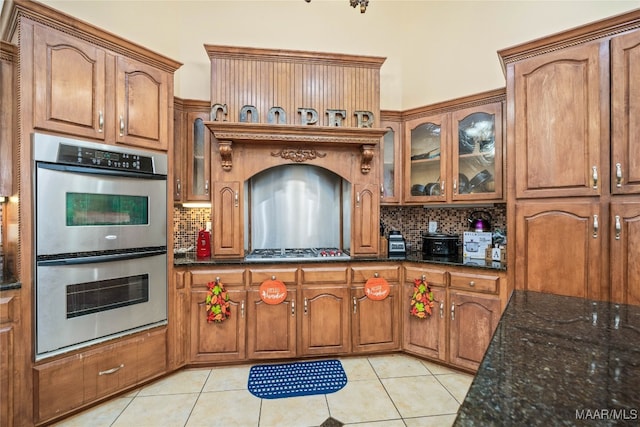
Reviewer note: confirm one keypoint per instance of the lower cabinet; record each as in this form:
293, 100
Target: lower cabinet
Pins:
9, 317
465, 314
271, 327
375, 324
324, 324
72, 382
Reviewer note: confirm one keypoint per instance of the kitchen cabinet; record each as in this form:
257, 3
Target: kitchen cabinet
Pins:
572, 156
625, 127
179, 155
272, 328
375, 324
561, 111
391, 157
84, 89
366, 220
72, 382
624, 243
9, 319
192, 167
455, 154
228, 214
467, 307
7, 117
559, 247
325, 324
218, 341
426, 337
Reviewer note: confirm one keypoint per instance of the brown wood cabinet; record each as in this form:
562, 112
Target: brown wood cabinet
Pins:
375, 324
7, 117
391, 149
467, 308
572, 153
624, 243
71, 382
324, 324
9, 318
192, 160
228, 214
224, 341
84, 89
454, 151
366, 223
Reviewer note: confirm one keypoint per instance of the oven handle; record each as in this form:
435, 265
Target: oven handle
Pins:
99, 171
101, 258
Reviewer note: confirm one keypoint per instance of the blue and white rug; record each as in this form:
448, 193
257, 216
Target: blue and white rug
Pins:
296, 379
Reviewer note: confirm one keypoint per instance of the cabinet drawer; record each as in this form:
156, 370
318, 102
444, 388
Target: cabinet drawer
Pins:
474, 282
234, 277
289, 276
362, 274
58, 387
432, 276
323, 275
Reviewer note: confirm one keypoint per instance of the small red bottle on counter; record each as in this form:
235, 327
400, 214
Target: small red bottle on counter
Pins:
203, 249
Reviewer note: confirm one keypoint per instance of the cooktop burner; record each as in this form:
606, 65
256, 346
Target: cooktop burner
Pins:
295, 254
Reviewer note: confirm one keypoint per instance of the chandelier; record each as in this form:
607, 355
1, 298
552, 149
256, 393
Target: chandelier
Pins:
354, 3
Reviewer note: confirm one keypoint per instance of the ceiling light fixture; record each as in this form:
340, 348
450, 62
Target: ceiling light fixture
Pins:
354, 3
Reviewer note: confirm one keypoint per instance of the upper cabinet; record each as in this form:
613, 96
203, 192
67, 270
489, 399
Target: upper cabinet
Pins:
7, 116
561, 111
455, 155
193, 152
84, 86
391, 158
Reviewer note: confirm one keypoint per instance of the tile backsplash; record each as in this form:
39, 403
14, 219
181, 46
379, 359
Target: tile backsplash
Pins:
411, 221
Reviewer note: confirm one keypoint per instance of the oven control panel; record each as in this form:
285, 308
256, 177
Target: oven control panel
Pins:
84, 156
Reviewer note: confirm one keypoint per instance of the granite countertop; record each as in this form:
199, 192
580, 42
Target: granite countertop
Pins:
8, 283
557, 360
189, 259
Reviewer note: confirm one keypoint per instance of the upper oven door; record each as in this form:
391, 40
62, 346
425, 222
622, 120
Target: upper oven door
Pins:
80, 209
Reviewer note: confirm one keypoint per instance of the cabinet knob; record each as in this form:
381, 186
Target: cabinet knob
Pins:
453, 311
273, 277
121, 126
594, 174
618, 227
112, 370
618, 175
100, 121
595, 226
472, 283
376, 275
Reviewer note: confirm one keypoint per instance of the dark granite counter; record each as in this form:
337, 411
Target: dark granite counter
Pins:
189, 259
556, 361
9, 283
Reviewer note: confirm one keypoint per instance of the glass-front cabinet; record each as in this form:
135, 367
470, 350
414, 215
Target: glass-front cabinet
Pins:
455, 156
391, 157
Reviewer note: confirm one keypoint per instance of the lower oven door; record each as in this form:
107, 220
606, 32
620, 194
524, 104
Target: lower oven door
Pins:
83, 301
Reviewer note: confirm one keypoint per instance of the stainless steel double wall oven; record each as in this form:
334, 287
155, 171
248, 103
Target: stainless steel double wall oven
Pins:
101, 242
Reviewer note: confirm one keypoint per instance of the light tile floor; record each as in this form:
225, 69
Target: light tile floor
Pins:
388, 390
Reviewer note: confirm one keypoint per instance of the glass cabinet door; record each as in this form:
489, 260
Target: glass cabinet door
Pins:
477, 147
426, 165
390, 155
198, 157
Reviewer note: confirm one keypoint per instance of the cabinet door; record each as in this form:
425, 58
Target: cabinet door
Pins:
110, 370
198, 157
561, 109
9, 316
391, 156
8, 119
375, 324
366, 220
271, 327
625, 247
142, 104
325, 321
179, 155
69, 85
228, 220
425, 337
474, 318
625, 104
224, 341
476, 172
559, 247
425, 159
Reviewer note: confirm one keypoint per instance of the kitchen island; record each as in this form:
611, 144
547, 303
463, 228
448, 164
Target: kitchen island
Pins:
557, 360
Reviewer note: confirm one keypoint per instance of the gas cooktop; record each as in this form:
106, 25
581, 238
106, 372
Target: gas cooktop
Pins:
295, 254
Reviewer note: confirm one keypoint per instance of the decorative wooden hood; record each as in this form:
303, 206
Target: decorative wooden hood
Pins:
299, 136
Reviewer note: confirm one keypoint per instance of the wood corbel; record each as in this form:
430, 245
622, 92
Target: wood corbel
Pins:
367, 156
226, 154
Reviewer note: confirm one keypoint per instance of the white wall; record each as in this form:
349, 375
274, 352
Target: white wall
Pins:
435, 50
